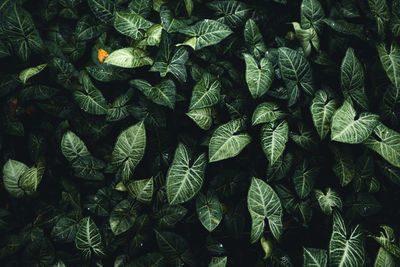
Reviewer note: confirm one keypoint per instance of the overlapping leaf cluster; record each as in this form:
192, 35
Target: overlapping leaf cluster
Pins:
199, 133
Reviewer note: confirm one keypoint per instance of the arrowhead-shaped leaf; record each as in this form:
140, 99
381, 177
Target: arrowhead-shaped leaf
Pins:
328, 201
184, 179
346, 128
259, 75
274, 136
209, 210
88, 239
131, 24
206, 92
263, 203
129, 57
163, 93
314, 257
322, 110
226, 143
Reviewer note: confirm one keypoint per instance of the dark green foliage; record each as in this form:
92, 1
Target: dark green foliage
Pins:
199, 133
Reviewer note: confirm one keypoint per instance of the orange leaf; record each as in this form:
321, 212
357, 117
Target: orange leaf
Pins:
102, 55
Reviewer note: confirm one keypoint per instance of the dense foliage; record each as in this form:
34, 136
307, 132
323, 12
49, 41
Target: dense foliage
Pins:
199, 133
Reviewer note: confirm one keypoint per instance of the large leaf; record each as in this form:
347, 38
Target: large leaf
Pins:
65, 229
327, 202
259, 75
296, 73
346, 248
142, 190
233, 13
209, 210
174, 248
263, 203
311, 15
169, 215
185, 177
163, 93
123, 216
205, 33
119, 109
90, 99
386, 142
352, 79
344, 166
304, 178
280, 168
349, 128
141, 7
87, 28
129, 57
387, 241
314, 257
206, 92
384, 259
88, 239
267, 112
380, 10
274, 136
73, 147
12, 171
131, 24
226, 142
30, 179
102, 9
322, 109
202, 117
26, 74
254, 39
129, 149
20, 29
218, 261
391, 62
174, 64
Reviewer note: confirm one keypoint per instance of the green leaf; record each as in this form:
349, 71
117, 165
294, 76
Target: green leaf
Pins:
315, 257
87, 28
31, 178
119, 109
311, 15
102, 9
205, 33
202, 117
89, 98
12, 171
174, 248
206, 92
209, 210
131, 24
352, 79
296, 73
64, 230
395, 19
218, 261
142, 190
349, 128
344, 167
384, 259
386, 142
141, 7
387, 241
267, 112
129, 57
163, 93
307, 38
88, 168
380, 10
254, 39
304, 179
169, 215
189, 6
274, 136
346, 248
226, 143
344, 27
322, 109
20, 29
263, 203
72, 147
259, 75
185, 177
174, 65
169, 23
26, 74
305, 137
233, 13
88, 239
123, 216
152, 36
280, 168
129, 149
390, 62
328, 201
